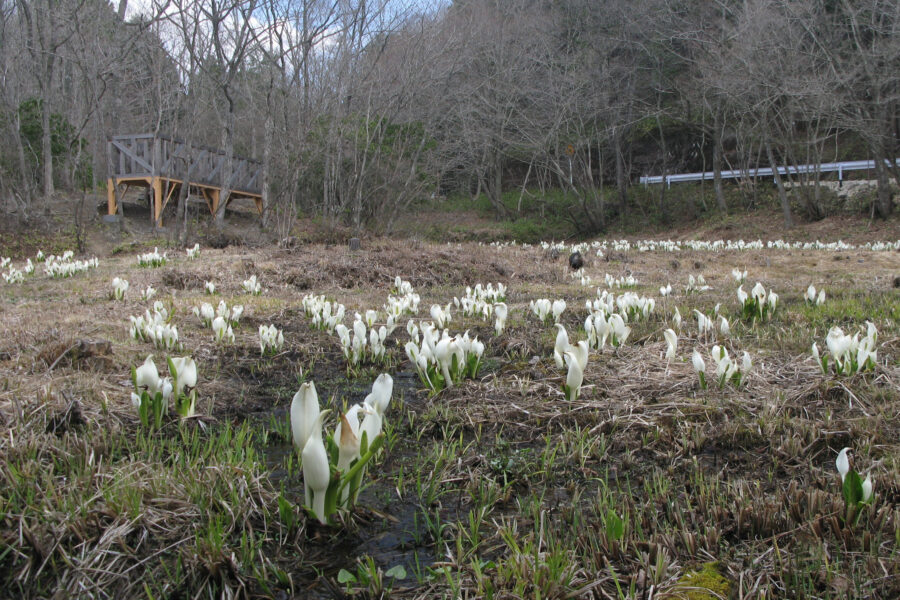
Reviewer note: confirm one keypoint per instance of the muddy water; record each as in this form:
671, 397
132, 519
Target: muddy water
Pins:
385, 526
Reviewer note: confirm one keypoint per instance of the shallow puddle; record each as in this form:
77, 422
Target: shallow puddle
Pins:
386, 527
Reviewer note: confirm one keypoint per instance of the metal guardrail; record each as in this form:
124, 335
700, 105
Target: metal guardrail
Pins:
839, 167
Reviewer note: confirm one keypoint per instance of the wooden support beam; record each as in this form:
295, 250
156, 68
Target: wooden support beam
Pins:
215, 193
156, 185
110, 197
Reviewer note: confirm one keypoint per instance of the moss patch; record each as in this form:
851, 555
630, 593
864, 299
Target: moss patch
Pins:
706, 584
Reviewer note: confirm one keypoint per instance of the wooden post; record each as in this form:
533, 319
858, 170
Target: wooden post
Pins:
110, 197
215, 193
156, 184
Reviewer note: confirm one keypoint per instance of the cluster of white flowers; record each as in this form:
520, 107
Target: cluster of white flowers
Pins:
152, 259
270, 339
209, 287
440, 359
323, 313
194, 252
849, 355
223, 331
480, 301
739, 276
543, 308
602, 326
706, 327
634, 307
628, 281
727, 370
13, 275
153, 327
252, 286
602, 246
665, 290
812, 298
120, 286
332, 479
365, 344
758, 304
148, 293
441, 316
696, 284
153, 393
63, 266
402, 300
207, 315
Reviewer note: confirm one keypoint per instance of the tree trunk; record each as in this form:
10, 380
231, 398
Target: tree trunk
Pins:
268, 136
718, 140
23, 165
884, 204
46, 146
228, 167
621, 183
782, 194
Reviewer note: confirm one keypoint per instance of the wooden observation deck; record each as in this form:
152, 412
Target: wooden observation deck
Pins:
161, 164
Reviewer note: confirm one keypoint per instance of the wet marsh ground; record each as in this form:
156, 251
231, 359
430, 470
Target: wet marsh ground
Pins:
646, 486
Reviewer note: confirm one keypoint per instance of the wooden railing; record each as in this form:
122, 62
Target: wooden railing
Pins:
146, 155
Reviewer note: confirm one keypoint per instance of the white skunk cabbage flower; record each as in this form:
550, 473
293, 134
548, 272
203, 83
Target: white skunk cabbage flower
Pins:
347, 437
739, 276
557, 308
210, 287
724, 327
500, 314
619, 330
575, 376
316, 470
676, 318
146, 376
562, 344
222, 330
185, 373
843, 463
381, 393
671, 343
120, 286
443, 353
304, 410
699, 367
580, 351
372, 422
867, 488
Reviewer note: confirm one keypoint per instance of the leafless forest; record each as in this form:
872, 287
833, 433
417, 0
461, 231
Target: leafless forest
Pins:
361, 108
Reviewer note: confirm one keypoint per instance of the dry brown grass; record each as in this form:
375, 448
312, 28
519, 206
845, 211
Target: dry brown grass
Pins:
724, 475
